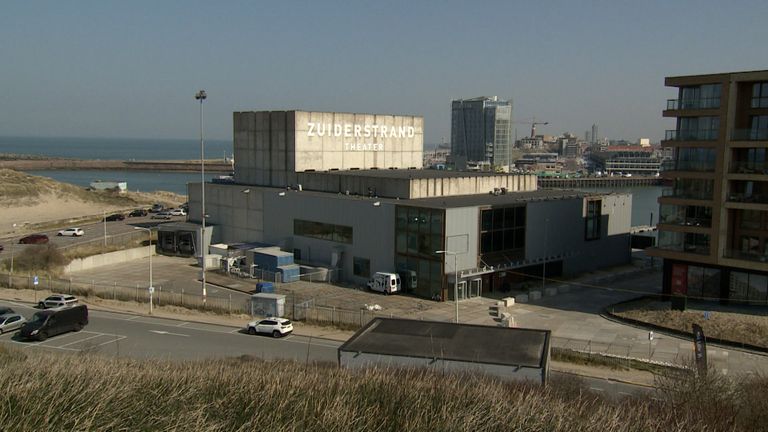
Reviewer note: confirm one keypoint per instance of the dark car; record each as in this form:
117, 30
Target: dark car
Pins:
2, 248
34, 239
115, 217
137, 213
55, 321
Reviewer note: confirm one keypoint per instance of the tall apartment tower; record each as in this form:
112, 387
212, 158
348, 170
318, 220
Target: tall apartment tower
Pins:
481, 130
713, 224
594, 134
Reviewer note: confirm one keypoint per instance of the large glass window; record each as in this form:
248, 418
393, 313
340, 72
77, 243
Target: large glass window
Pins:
419, 234
684, 242
749, 287
694, 188
698, 128
322, 231
749, 161
760, 95
592, 222
686, 215
502, 229
704, 96
695, 159
758, 129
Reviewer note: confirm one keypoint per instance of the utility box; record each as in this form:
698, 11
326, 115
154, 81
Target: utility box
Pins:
268, 305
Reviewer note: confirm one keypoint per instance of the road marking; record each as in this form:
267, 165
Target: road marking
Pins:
81, 340
596, 389
49, 340
163, 332
182, 324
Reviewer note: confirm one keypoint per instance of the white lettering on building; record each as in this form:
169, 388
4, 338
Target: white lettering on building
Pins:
348, 130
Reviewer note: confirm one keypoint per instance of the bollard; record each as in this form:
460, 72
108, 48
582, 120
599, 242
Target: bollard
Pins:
182, 297
114, 291
137, 293
230, 303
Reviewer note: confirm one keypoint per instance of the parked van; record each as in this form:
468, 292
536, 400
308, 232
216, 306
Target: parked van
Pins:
387, 283
52, 322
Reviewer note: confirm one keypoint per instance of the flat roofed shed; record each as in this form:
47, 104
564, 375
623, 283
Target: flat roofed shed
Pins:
467, 344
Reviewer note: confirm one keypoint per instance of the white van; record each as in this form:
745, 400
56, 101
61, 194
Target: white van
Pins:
387, 283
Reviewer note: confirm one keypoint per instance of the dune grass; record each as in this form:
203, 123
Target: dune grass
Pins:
46, 391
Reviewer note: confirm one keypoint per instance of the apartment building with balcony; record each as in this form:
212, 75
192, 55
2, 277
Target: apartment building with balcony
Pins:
713, 226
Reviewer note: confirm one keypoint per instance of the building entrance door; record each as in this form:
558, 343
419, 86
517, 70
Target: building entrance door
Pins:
462, 290
475, 287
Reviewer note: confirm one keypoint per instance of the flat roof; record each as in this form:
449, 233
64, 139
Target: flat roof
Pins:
405, 173
450, 341
489, 199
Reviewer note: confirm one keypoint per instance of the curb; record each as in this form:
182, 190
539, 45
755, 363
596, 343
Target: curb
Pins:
744, 347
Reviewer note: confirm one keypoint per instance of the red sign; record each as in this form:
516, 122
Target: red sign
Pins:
679, 280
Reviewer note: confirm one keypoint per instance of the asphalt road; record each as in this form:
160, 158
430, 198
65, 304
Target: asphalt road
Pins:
94, 232
135, 336
142, 337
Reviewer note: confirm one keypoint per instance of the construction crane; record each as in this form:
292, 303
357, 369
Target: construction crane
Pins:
533, 124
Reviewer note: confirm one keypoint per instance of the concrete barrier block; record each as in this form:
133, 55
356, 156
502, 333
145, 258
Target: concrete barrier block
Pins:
521, 298
550, 291
508, 301
534, 295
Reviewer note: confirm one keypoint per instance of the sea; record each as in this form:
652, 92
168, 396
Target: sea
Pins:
120, 149
644, 198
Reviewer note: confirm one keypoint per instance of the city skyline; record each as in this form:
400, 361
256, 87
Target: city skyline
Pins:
92, 69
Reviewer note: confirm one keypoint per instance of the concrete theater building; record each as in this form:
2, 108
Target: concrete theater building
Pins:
346, 192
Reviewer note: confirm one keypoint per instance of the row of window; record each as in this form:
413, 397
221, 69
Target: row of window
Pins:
684, 242
323, 231
686, 215
759, 95
703, 282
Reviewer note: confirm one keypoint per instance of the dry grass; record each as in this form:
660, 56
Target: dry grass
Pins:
18, 188
735, 327
94, 393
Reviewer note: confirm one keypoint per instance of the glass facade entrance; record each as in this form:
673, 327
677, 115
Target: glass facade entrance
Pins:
419, 232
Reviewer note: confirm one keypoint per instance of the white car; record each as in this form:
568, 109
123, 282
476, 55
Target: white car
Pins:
161, 215
57, 301
277, 327
177, 212
72, 232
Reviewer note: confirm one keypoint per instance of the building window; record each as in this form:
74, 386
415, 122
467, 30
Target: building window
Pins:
704, 96
758, 127
592, 221
419, 233
760, 95
748, 287
695, 159
502, 229
698, 128
322, 231
361, 267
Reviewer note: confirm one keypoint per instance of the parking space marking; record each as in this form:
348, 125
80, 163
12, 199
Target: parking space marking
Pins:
81, 340
66, 347
182, 324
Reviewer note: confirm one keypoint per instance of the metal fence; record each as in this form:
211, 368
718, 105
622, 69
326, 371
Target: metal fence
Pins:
118, 291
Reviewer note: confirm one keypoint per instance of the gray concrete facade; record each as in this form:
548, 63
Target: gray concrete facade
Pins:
270, 147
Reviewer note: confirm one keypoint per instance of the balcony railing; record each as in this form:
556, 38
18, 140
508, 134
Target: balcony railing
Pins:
691, 135
748, 198
750, 134
704, 103
746, 256
749, 167
687, 194
695, 222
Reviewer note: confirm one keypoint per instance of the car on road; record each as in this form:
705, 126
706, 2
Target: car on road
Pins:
72, 232
57, 301
138, 213
114, 217
10, 322
162, 215
34, 239
177, 212
277, 327
55, 321
157, 207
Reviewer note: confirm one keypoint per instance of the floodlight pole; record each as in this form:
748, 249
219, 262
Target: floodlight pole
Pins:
151, 288
201, 96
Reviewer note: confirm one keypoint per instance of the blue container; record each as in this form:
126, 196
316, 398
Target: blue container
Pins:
265, 287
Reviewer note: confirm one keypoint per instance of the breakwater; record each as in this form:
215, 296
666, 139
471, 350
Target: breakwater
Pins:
211, 165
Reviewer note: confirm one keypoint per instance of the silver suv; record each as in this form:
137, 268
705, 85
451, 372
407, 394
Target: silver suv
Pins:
57, 301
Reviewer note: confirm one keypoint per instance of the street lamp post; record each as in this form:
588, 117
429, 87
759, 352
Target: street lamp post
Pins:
201, 96
151, 288
544, 265
455, 280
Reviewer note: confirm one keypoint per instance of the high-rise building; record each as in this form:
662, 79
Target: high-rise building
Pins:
481, 130
713, 224
594, 134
